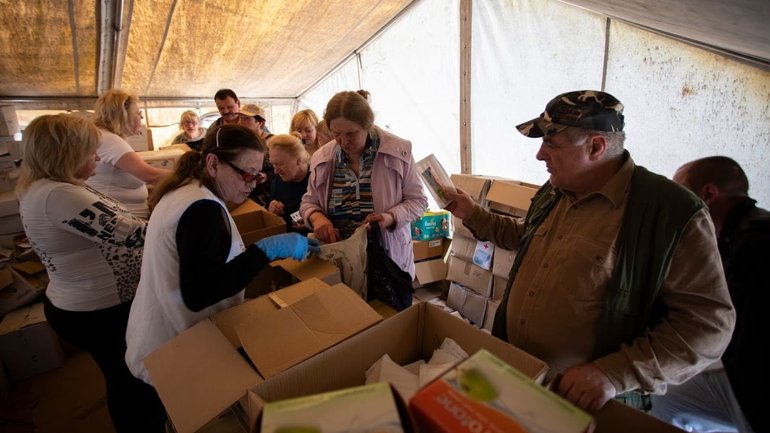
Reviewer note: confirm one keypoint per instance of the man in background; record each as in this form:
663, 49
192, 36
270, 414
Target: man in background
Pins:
229, 105
733, 393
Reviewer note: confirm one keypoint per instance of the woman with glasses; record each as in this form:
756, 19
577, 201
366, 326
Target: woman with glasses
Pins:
195, 262
121, 173
92, 249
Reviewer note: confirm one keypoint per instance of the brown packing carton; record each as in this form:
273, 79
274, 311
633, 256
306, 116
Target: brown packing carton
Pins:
498, 287
489, 315
425, 250
617, 417
458, 229
510, 197
429, 271
254, 222
469, 275
200, 373
28, 345
503, 262
468, 303
411, 335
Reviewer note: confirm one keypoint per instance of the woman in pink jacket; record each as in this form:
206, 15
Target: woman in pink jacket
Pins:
365, 175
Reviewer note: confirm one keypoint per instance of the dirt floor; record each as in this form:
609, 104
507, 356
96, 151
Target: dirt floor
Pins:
68, 399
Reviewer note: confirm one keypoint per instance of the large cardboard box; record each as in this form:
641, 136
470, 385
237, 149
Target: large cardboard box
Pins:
201, 373
254, 222
469, 275
9, 123
410, 335
510, 197
503, 262
28, 345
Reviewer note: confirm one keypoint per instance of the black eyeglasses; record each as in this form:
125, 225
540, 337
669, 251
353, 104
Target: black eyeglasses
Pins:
246, 176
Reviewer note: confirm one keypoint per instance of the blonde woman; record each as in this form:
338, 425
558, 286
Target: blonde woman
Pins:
304, 123
92, 248
192, 133
121, 173
291, 165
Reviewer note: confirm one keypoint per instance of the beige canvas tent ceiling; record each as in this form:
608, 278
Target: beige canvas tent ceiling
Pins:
57, 54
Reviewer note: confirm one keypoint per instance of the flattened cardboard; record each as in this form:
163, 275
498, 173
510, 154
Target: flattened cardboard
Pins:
198, 375
254, 222
469, 275
22, 291
28, 345
304, 328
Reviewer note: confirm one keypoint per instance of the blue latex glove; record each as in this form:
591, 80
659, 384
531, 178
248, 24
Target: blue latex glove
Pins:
287, 245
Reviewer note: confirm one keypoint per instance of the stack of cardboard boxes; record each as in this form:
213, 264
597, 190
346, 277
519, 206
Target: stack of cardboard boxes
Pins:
478, 270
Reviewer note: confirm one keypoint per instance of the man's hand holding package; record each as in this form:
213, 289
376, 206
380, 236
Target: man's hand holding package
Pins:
586, 386
460, 204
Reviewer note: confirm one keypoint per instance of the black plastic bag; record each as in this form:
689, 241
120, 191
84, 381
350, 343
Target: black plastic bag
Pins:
386, 280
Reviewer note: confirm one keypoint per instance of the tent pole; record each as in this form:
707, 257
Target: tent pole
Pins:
466, 154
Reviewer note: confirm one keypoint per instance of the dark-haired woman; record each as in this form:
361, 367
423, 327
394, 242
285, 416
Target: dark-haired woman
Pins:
195, 261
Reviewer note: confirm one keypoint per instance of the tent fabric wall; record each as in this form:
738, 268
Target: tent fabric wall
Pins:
412, 73
681, 102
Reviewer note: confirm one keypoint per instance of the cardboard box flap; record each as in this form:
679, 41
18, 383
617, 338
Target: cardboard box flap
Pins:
511, 193
198, 375
21, 318
6, 278
617, 417
280, 339
227, 320
310, 268
476, 186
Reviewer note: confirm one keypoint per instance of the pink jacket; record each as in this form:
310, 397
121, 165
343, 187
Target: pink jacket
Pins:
396, 188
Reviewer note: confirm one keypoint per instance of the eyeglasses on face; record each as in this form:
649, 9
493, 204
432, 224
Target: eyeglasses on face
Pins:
246, 176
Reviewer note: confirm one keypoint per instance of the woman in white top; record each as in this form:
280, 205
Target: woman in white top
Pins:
121, 173
195, 262
92, 249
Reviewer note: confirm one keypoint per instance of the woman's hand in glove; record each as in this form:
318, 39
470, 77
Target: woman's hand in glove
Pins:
287, 245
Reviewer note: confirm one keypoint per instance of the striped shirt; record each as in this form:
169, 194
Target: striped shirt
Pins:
350, 200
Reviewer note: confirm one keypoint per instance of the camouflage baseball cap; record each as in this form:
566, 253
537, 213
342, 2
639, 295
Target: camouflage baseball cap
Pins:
588, 109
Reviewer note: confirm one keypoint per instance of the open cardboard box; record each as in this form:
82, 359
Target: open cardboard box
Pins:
510, 197
408, 336
254, 222
201, 373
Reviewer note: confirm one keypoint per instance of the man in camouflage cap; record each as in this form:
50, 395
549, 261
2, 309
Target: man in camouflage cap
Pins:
617, 284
